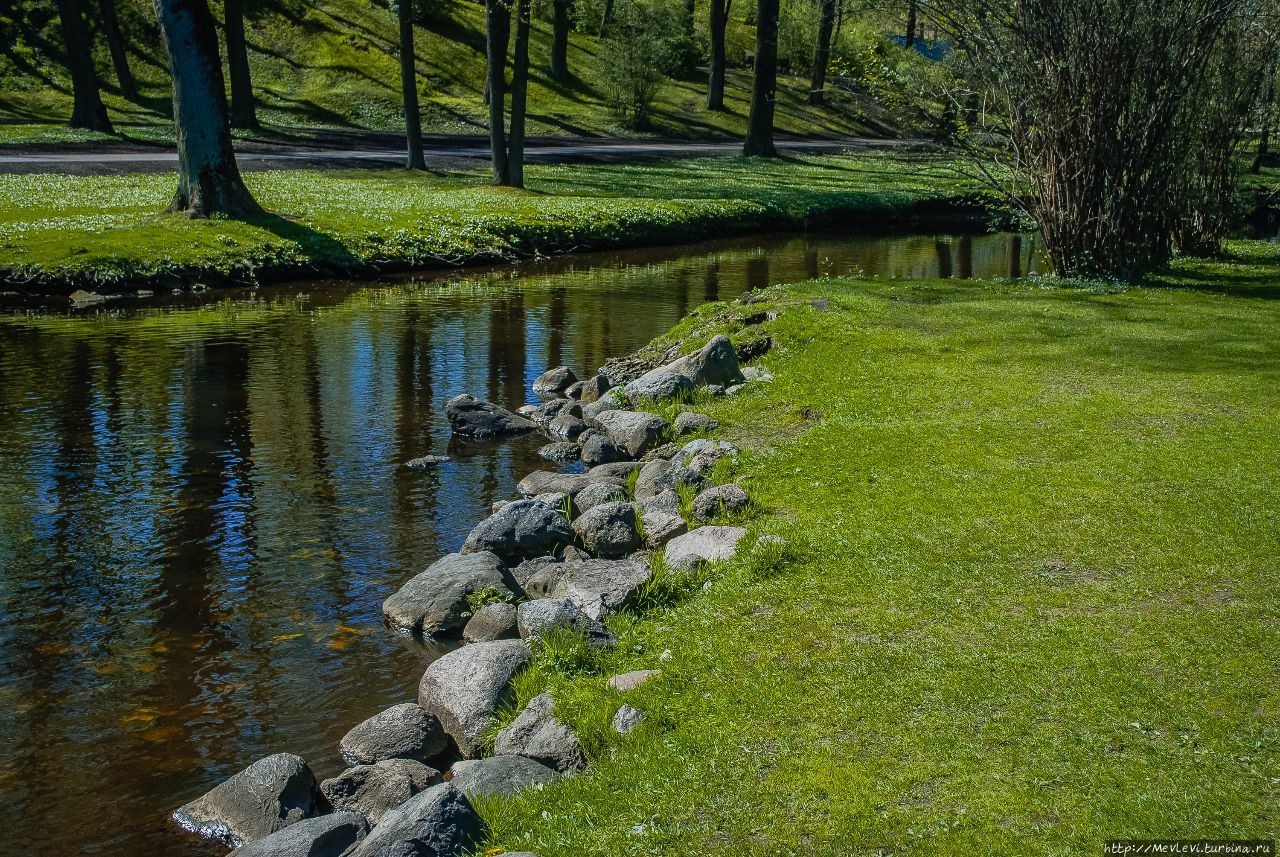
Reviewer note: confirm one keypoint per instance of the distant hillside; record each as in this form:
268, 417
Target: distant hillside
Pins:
335, 63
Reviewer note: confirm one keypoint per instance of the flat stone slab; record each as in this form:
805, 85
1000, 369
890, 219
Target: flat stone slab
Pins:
705, 544
632, 680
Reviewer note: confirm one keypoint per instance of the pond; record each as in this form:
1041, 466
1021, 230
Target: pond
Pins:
203, 503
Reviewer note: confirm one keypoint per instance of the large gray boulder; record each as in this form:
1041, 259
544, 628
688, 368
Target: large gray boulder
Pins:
566, 427
661, 527
434, 603
593, 388
635, 431
722, 499
554, 381
597, 494
614, 470
667, 502
333, 835
561, 453
519, 531
597, 448
609, 530
372, 790
267, 796
547, 481
439, 822
542, 616
405, 731
500, 776
548, 412
705, 544
661, 475
493, 621
465, 688
659, 384
602, 586
474, 417
689, 422
714, 364
599, 406
539, 735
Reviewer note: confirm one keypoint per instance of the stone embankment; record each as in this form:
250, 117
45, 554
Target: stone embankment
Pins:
573, 549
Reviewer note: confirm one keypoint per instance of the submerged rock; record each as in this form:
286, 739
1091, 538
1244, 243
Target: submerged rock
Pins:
434, 603
474, 417
537, 734
405, 731
465, 688
500, 776
333, 835
267, 796
520, 530
439, 822
426, 462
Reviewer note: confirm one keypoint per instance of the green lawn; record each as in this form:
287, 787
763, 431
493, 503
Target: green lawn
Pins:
62, 232
1029, 603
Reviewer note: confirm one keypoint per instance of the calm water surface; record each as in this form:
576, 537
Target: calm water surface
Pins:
202, 508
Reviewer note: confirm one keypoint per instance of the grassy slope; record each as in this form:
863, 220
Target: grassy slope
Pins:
105, 231
335, 63
1031, 599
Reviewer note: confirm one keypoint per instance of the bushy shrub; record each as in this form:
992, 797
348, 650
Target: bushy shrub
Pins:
638, 52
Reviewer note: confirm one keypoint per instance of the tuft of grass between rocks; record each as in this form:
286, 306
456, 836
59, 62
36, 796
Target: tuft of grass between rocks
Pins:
1028, 600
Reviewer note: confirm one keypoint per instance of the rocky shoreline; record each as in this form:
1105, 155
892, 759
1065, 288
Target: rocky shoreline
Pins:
573, 549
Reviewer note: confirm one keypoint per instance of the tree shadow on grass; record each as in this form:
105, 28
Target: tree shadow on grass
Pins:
319, 247
1242, 272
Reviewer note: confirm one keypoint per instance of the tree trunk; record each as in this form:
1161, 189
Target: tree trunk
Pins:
209, 181
764, 83
519, 94
244, 112
409, 88
715, 83
87, 110
822, 57
687, 23
604, 19
839, 20
910, 41
115, 43
560, 40
497, 31
1264, 140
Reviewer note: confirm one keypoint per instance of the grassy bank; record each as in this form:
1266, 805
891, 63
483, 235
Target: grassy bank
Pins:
60, 233
1029, 601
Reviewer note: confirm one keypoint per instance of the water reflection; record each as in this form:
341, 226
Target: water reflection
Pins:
201, 508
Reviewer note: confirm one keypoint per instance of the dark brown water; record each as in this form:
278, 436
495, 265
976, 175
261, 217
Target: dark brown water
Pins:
201, 508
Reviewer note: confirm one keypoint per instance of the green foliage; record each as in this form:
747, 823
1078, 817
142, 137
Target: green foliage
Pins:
640, 49
488, 595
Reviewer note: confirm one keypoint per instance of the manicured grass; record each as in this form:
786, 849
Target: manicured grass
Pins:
61, 232
1029, 601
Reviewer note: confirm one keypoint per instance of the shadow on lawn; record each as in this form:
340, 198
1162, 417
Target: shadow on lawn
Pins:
1240, 271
